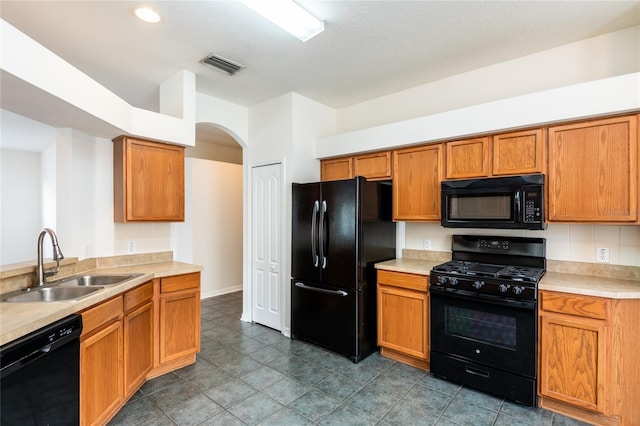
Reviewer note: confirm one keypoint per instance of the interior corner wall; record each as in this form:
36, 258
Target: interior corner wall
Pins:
19, 214
310, 121
608, 55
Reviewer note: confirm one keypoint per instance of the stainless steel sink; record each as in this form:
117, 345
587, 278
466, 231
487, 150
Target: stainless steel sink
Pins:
49, 294
90, 280
69, 288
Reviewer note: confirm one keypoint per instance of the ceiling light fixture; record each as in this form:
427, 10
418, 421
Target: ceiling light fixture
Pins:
147, 15
289, 16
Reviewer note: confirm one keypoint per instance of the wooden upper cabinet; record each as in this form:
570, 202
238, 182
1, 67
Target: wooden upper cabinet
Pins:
519, 152
468, 158
416, 184
593, 171
336, 169
376, 166
148, 181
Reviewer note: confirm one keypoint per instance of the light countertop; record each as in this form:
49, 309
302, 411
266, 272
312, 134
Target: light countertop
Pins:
19, 319
614, 288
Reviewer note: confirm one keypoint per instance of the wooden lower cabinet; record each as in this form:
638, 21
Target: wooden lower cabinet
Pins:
589, 368
101, 362
178, 319
138, 337
403, 317
148, 331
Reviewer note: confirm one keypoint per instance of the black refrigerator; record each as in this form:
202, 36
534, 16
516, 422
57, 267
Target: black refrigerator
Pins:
340, 229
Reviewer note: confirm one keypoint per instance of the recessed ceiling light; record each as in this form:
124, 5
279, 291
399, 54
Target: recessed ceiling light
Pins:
147, 15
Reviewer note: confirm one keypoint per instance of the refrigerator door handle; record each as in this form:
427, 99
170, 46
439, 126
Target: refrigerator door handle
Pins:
321, 233
314, 217
340, 293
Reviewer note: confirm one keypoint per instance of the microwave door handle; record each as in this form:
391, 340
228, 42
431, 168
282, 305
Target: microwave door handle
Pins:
518, 207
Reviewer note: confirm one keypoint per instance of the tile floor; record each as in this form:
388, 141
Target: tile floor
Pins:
248, 374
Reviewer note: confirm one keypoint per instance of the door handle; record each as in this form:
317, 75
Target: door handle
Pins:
314, 254
340, 293
321, 232
518, 207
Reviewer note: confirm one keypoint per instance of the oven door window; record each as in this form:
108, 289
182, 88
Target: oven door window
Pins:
493, 334
481, 207
483, 327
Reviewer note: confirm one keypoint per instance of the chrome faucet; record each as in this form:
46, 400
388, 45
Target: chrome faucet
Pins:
57, 256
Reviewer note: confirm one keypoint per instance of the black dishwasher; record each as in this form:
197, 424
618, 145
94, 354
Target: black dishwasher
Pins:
40, 376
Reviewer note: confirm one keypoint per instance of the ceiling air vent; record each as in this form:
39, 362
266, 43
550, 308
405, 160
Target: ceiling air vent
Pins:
223, 64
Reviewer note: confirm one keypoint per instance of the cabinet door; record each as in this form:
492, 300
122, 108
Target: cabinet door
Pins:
148, 181
138, 346
468, 158
336, 169
416, 183
519, 152
101, 386
179, 325
375, 166
403, 321
573, 360
593, 171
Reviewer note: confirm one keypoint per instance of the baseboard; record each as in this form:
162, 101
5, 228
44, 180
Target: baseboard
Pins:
221, 292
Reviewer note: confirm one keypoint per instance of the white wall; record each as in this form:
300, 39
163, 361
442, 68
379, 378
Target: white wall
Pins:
566, 242
214, 195
609, 55
19, 214
73, 195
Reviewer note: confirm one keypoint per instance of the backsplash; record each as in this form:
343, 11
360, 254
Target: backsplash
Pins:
576, 243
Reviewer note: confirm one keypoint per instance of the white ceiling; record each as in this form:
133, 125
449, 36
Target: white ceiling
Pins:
368, 49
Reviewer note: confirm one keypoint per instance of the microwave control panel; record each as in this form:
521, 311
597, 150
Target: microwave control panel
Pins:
533, 205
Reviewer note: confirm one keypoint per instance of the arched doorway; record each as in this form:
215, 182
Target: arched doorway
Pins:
214, 194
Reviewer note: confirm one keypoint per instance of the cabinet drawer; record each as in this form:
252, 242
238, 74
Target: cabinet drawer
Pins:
102, 314
403, 280
138, 296
180, 282
573, 304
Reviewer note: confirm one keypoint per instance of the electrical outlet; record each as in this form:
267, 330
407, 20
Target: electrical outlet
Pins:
88, 251
131, 247
602, 255
426, 244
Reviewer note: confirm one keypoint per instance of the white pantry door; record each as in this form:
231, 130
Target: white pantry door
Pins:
266, 188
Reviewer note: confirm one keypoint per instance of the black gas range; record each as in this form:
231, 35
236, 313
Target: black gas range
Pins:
483, 314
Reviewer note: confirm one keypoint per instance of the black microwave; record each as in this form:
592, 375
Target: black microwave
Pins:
512, 202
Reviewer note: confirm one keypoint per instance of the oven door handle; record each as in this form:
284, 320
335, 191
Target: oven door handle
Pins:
468, 295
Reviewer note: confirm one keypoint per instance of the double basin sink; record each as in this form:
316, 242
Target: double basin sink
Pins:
67, 289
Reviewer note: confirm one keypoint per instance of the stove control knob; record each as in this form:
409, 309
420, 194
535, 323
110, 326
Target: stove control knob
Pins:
442, 280
453, 281
518, 290
478, 285
503, 288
